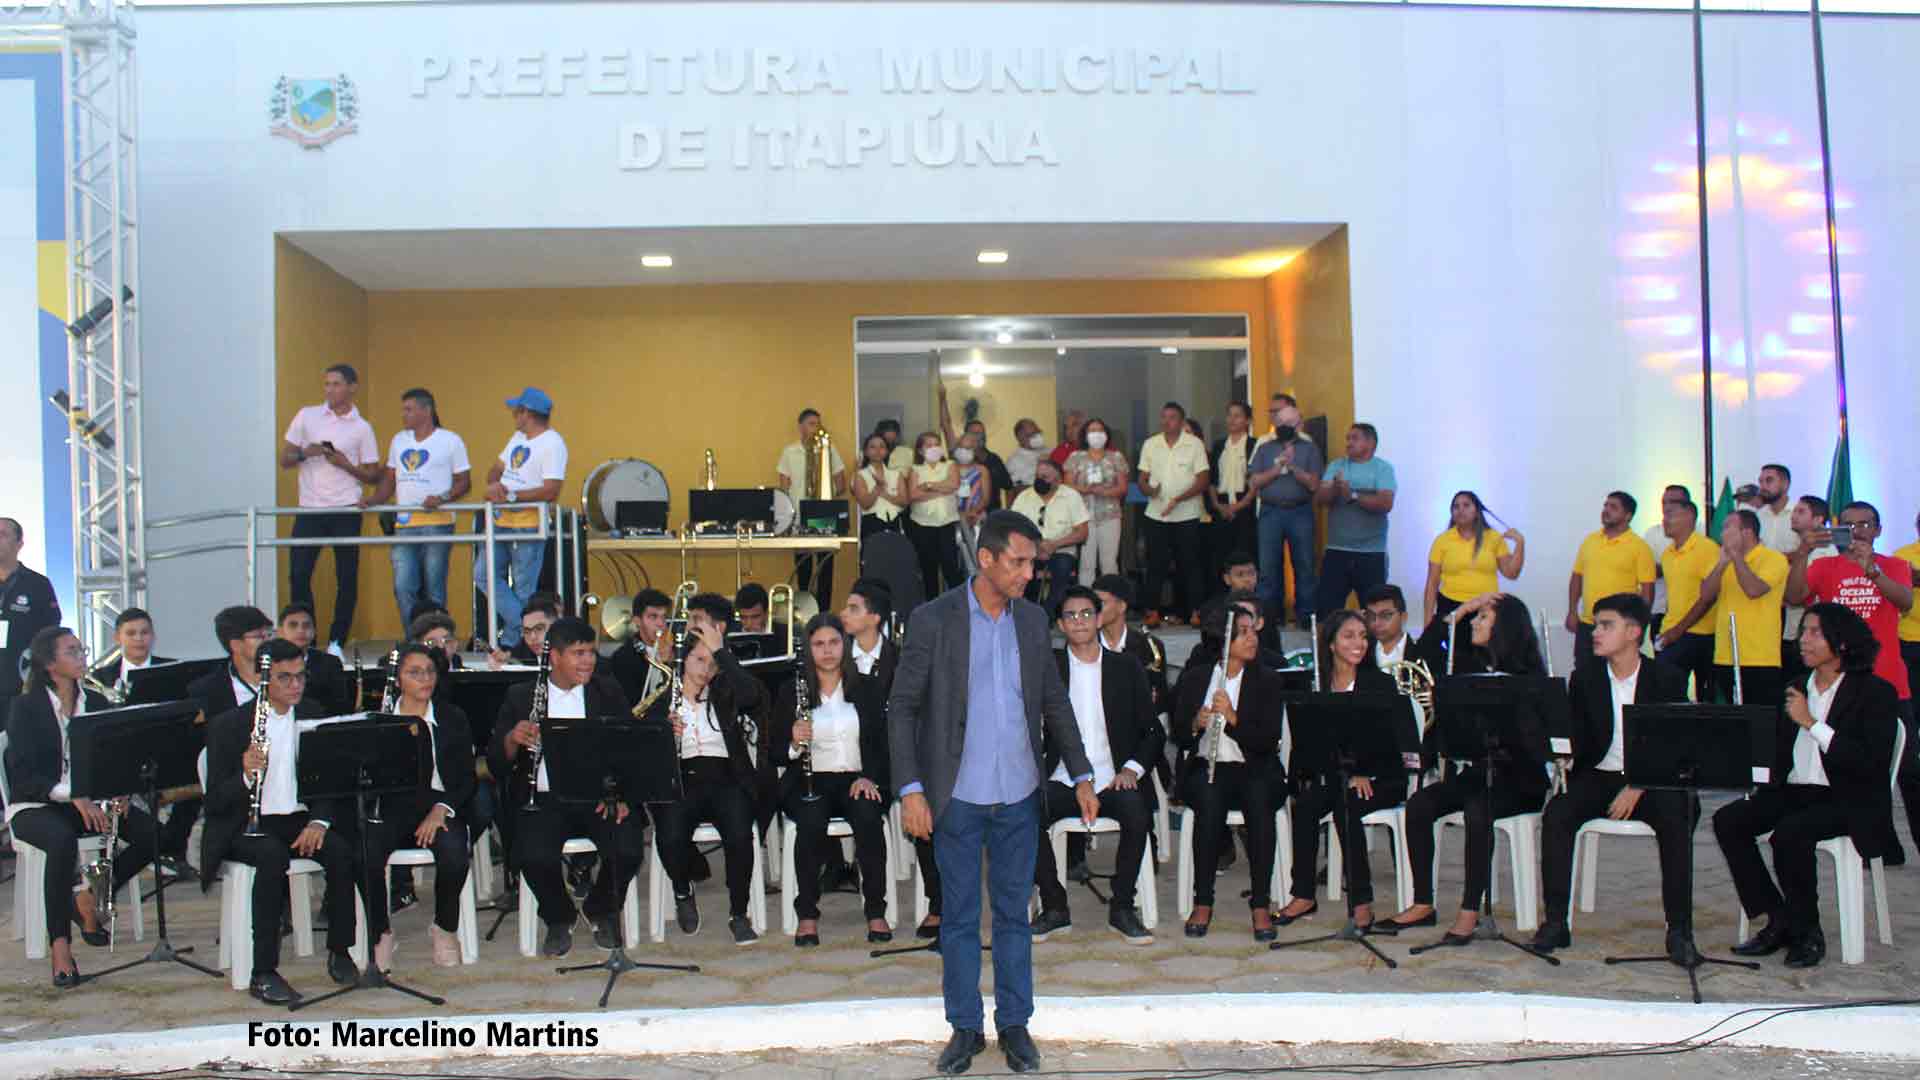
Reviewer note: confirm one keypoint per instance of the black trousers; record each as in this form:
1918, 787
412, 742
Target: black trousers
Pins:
1910, 767
929, 875
56, 829
452, 858
1175, 547
817, 581
269, 856
1759, 685
1314, 800
710, 794
871, 525
346, 565
1589, 793
1799, 816
1693, 654
1343, 572
869, 820
938, 550
1467, 793
1255, 791
541, 833
179, 827
1129, 808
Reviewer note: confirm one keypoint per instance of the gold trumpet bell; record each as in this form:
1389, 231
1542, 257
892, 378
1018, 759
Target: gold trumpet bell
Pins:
616, 617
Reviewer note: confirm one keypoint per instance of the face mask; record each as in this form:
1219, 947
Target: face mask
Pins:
1043, 486
933, 454
963, 455
1037, 442
1286, 433
1097, 440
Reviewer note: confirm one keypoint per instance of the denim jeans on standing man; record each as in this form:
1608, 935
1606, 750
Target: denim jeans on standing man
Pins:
1009, 834
522, 560
417, 565
1287, 532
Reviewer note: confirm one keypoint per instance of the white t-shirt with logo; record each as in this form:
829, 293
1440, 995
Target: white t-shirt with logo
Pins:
423, 467
528, 464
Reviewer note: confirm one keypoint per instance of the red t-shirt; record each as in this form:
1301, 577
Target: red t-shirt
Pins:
1838, 579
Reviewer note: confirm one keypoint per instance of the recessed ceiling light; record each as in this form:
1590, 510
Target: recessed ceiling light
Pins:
976, 380
992, 258
1169, 350
1003, 337
656, 262
1062, 350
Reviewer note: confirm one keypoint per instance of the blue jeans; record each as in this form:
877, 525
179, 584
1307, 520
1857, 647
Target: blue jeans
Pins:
1343, 572
1063, 570
1283, 533
415, 565
521, 559
1010, 835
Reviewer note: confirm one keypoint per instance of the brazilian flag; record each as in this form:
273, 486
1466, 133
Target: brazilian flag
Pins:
1840, 476
1722, 508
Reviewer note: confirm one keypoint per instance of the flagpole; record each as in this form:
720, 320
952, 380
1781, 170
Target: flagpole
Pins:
1833, 231
1706, 287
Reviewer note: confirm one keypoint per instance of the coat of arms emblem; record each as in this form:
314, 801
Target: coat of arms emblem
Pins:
313, 112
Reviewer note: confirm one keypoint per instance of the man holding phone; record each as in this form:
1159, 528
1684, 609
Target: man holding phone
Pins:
335, 451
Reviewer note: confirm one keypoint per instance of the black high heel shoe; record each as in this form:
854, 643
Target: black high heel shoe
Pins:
67, 980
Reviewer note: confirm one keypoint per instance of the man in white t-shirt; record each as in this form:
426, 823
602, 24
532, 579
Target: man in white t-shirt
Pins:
336, 453
530, 470
1173, 474
426, 467
792, 471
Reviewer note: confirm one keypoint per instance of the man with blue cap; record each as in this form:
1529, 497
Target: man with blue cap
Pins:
531, 469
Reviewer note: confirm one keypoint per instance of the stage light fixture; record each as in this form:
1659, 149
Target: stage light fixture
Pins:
83, 425
1169, 350
656, 262
992, 258
97, 314
1003, 338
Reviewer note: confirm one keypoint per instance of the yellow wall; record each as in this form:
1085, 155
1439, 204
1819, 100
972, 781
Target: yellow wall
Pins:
320, 319
1310, 328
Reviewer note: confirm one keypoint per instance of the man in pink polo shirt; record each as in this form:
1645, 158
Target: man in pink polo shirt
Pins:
335, 451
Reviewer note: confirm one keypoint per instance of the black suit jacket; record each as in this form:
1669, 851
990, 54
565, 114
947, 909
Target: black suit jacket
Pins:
884, 666
330, 688
33, 745
1590, 704
1523, 768
213, 693
1133, 728
864, 693
1259, 729
452, 749
603, 698
227, 797
1859, 760
1137, 647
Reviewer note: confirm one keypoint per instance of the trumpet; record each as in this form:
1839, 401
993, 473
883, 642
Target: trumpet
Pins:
260, 737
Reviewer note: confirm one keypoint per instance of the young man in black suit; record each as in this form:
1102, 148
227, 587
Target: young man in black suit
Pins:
133, 638
241, 631
646, 640
330, 691
1837, 755
1597, 694
1113, 709
236, 767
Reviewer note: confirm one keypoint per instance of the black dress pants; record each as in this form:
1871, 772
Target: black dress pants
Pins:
1315, 800
452, 858
1467, 793
1254, 789
269, 855
1799, 816
710, 794
868, 817
1589, 793
346, 566
938, 550
1176, 546
56, 829
541, 833
1129, 808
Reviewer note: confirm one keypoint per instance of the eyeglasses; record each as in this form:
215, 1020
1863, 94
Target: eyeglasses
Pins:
1079, 615
289, 678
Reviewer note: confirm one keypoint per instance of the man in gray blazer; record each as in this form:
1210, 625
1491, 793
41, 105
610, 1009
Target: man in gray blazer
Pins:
975, 685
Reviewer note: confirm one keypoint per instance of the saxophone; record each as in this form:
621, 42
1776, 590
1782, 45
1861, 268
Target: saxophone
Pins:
538, 714
261, 710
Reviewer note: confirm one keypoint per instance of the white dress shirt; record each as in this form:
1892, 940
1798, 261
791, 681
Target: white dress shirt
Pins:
836, 734
282, 792
561, 705
701, 735
1090, 713
1615, 759
1811, 742
242, 693
128, 667
863, 661
1386, 657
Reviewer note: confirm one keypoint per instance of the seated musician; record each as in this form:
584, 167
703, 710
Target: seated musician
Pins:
543, 824
847, 775
1116, 598
329, 689
1374, 783
874, 656
540, 613
238, 768
1597, 694
43, 811
241, 631
1113, 708
646, 635
1501, 642
1837, 756
434, 627
750, 607
1223, 677
430, 817
721, 730
133, 637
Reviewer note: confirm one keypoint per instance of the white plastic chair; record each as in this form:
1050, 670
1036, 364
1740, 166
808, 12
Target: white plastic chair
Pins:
468, 933
771, 863
1394, 820
1162, 819
29, 883
529, 907
902, 843
484, 886
1586, 857
1145, 897
1850, 880
660, 889
1523, 848
1183, 875
837, 829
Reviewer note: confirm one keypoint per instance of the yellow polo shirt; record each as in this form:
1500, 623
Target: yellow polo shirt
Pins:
1686, 567
1910, 622
1465, 573
1759, 616
1609, 565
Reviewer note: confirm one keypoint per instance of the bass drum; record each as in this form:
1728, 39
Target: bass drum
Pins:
616, 481
785, 513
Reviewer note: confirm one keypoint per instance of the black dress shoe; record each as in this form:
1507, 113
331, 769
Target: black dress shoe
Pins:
340, 969
927, 932
1048, 923
879, 937
98, 938
606, 932
1808, 951
1552, 935
1126, 922
272, 989
1771, 939
559, 940
1680, 948
1452, 940
687, 914
1022, 1055
958, 1055
1282, 919
1394, 926
806, 941
67, 980
1197, 929
742, 929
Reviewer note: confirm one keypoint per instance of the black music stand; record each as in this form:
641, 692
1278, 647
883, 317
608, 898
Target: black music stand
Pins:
480, 692
140, 749
618, 759
1695, 748
361, 759
1479, 717
168, 682
1331, 732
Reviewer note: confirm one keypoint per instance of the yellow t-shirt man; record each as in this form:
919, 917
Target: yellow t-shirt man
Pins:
1759, 617
1609, 565
1465, 573
1686, 567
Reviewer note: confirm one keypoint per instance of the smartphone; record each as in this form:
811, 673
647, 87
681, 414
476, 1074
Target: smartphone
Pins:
1843, 537
328, 447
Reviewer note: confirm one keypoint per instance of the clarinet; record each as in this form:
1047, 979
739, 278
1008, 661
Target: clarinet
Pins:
538, 714
261, 710
803, 714
390, 697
